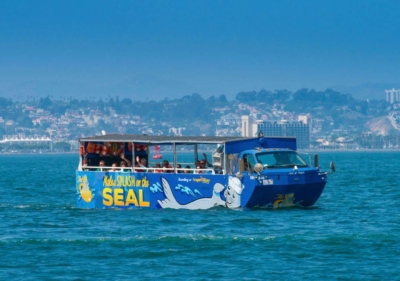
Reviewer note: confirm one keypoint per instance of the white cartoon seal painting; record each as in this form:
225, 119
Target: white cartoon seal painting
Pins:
232, 195
199, 204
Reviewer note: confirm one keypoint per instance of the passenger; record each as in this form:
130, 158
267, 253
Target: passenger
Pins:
85, 165
102, 165
142, 164
198, 170
166, 167
124, 167
178, 168
187, 170
203, 163
206, 161
114, 167
203, 166
247, 165
129, 163
157, 165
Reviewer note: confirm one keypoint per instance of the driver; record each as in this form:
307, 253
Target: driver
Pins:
247, 165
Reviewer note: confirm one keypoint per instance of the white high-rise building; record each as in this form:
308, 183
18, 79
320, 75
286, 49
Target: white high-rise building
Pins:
392, 95
300, 129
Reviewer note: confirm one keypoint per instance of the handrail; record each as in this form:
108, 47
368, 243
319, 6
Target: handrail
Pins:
147, 169
106, 168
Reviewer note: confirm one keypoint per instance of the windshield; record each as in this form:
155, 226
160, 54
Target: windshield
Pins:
280, 159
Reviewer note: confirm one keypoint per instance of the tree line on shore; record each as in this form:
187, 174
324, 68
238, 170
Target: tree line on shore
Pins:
343, 109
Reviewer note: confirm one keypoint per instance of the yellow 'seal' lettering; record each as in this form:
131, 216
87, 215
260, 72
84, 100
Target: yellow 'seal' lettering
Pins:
131, 198
107, 197
141, 201
116, 197
119, 197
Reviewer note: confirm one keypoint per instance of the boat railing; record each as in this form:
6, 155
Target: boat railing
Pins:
146, 169
179, 170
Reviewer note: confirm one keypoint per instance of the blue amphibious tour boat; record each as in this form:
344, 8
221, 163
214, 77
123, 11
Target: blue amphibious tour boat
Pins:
243, 173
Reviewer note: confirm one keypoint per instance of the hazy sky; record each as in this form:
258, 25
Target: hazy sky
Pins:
170, 48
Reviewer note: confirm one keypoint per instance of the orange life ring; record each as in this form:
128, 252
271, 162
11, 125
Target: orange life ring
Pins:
119, 151
91, 147
104, 150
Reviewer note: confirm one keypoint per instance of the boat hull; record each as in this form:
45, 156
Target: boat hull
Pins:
193, 191
285, 196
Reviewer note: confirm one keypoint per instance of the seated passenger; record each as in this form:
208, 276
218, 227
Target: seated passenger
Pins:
198, 170
206, 161
114, 167
166, 167
142, 164
129, 163
187, 170
85, 165
203, 164
247, 165
204, 169
178, 168
124, 167
157, 165
102, 164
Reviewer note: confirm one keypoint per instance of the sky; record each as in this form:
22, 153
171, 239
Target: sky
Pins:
167, 49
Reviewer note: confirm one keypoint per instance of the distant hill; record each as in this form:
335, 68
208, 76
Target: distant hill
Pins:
372, 91
140, 88
381, 125
149, 87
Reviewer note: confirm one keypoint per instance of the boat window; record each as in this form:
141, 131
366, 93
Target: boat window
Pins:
280, 159
249, 162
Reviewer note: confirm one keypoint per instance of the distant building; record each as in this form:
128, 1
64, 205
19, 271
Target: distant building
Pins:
249, 126
300, 129
392, 95
176, 131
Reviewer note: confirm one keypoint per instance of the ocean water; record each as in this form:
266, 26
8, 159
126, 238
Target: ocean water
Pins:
352, 232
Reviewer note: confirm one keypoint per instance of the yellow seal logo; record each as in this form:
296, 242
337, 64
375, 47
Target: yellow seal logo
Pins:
84, 189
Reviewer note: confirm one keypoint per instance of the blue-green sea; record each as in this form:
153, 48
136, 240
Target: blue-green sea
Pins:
352, 232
